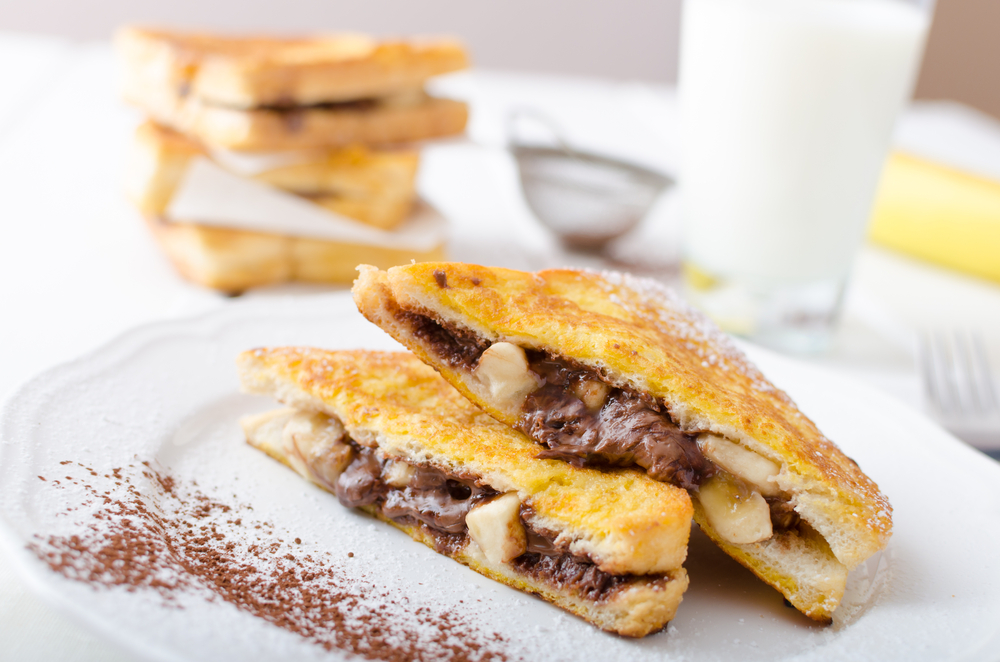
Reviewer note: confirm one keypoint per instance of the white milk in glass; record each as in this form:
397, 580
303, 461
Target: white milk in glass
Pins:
787, 111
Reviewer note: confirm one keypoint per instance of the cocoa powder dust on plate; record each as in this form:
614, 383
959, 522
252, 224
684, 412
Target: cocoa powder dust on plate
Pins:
175, 539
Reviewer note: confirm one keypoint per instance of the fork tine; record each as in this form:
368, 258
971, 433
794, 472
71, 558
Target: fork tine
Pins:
927, 369
966, 375
984, 375
959, 385
941, 382
947, 374
974, 378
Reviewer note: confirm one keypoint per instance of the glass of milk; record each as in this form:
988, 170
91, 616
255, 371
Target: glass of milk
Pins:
787, 110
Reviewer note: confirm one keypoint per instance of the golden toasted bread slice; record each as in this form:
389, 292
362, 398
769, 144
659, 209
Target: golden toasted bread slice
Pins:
384, 432
354, 171
606, 369
158, 159
250, 72
384, 212
376, 187
233, 260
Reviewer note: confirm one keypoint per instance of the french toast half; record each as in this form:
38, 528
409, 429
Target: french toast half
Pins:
385, 433
261, 71
611, 370
270, 94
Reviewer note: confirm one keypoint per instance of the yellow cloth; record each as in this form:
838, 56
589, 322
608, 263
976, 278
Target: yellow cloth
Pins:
939, 214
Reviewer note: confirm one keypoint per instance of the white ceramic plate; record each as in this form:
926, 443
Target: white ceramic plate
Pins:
167, 393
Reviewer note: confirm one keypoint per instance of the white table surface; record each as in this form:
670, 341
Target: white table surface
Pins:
77, 266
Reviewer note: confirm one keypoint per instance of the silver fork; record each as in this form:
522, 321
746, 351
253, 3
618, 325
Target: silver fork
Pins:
959, 386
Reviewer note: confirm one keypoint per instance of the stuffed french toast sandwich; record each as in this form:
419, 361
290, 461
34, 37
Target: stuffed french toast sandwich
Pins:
607, 370
385, 433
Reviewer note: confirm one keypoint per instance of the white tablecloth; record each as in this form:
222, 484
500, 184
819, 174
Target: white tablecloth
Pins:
77, 267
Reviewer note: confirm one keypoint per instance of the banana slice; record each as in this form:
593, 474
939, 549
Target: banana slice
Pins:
503, 370
398, 473
315, 448
592, 392
739, 515
753, 469
496, 527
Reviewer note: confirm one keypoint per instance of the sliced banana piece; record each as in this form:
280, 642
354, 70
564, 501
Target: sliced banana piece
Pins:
739, 515
315, 447
398, 473
753, 469
495, 526
503, 370
592, 392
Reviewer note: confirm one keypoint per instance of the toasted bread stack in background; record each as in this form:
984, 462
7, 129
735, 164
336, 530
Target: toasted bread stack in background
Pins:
236, 124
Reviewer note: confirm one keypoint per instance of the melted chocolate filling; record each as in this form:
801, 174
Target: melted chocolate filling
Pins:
540, 544
455, 347
565, 570
360, 484
432, 497
628, 430
440, 503
289, 105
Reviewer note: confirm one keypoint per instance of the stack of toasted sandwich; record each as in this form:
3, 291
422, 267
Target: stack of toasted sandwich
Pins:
265, 160
558, 432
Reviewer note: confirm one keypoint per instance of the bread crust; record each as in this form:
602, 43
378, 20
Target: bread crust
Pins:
375, 187
248, 72
625, 522
355, 171
386, 213
639, 335
232, 260
157, 161
800, 565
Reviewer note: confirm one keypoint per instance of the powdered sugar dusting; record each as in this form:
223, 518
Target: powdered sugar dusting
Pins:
674, 318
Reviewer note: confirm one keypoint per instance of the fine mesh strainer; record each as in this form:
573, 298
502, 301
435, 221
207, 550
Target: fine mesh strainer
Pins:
585, 199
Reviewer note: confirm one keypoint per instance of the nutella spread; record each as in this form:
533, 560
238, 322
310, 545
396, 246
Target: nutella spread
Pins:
440, 502
360, 484
626, 429
436, 500
565, 571
453, 346
289, 106
625, 432
540, 544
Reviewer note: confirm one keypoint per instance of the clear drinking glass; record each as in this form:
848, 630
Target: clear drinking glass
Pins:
787, 110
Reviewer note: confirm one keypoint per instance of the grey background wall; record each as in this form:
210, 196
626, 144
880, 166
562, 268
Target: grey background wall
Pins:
619, 38
634, 39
